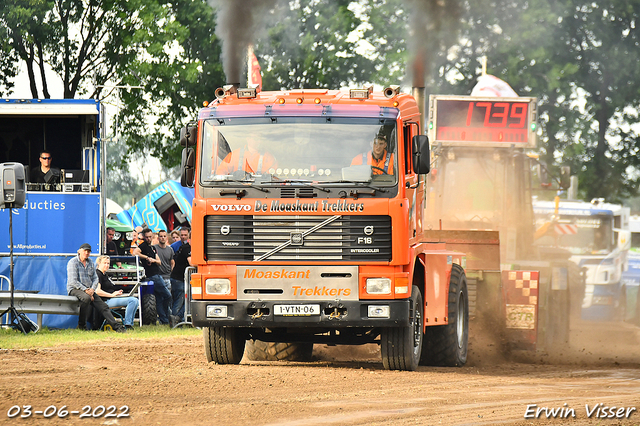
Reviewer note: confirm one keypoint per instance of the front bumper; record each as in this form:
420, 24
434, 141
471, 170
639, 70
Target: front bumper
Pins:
352, 314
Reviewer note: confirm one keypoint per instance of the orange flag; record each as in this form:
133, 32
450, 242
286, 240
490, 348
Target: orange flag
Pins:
254, 70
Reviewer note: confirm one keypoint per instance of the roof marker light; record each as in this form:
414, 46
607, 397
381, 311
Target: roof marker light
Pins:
360, 93
299, 100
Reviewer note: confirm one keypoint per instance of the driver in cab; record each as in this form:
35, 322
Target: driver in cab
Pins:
250, 158
380, 160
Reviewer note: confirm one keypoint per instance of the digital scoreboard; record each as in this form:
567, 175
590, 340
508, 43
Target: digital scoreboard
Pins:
483, 121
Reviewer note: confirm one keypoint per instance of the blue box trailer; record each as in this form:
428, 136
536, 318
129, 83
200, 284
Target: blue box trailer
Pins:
60, 216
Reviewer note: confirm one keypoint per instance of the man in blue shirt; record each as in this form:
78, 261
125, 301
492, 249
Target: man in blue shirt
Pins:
82, 281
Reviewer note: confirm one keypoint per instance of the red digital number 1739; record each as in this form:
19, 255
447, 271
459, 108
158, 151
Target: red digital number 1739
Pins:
498, 114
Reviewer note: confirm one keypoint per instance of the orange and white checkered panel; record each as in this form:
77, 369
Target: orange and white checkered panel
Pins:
521, 287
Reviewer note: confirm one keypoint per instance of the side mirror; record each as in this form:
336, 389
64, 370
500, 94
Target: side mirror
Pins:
624, 240
421, 155
188, 136
565, 177
188, 167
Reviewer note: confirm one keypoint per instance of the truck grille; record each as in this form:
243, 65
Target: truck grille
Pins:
248, 238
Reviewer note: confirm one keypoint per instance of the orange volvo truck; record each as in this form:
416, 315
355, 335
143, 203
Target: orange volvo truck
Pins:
307, 228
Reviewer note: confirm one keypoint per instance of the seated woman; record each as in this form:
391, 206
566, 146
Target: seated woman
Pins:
107, 291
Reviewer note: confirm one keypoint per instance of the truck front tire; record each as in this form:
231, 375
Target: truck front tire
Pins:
401, 346
446, 345
223, 345
257, 350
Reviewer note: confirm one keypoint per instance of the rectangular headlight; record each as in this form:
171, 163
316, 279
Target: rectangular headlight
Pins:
378, 285
216, 311
379, 311
218, 285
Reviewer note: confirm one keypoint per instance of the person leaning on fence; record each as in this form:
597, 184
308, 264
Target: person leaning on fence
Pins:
82, 281
107, 290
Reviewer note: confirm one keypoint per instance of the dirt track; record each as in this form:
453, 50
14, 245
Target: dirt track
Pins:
169, 382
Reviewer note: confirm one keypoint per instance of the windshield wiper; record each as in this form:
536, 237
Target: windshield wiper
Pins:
363, 185
294, 181
237, 192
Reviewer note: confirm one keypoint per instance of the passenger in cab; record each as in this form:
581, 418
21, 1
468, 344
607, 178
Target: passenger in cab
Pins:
251, 158
380, 160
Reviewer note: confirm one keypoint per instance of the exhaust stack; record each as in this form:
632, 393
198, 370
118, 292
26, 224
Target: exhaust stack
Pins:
227, 90
419, 95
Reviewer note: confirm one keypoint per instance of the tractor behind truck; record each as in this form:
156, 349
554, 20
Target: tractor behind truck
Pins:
598, 236
478, 200
300, 237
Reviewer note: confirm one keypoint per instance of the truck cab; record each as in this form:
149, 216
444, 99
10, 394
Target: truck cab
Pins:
597, 236
306, 227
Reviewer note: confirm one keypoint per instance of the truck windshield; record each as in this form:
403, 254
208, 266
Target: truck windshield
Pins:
324, 151
590, 235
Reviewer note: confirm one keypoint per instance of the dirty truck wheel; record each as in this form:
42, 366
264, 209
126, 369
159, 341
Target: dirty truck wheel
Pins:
223, 345
446, 345
401, 346
257, 350
149, 313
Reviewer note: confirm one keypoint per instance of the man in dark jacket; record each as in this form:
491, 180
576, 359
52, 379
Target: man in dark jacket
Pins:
151, 263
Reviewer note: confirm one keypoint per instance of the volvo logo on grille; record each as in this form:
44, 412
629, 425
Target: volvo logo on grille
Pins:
296, 238
225, 229
368, 230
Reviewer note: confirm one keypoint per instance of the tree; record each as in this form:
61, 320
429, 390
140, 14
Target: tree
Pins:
175, 82
309, 47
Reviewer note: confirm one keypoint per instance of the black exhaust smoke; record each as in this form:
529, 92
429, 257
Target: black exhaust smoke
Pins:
238, 22
433, 29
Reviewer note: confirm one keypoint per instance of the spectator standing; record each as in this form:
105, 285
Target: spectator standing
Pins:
182, 260
82, 281
110, 248
165, 253
137, 239
184, 237
173, 237
107, 290
151, 263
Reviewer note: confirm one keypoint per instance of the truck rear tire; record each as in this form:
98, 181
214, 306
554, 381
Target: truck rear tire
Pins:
257, 350
223, 345
149, 313
446, 345
401, 346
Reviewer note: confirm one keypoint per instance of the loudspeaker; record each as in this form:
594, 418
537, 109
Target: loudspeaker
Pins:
12, 190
